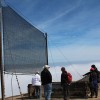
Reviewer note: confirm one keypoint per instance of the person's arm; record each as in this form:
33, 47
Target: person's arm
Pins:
87, 73
39, 78
49, 76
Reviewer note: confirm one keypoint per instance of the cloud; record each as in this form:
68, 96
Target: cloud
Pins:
74, 53
77, 70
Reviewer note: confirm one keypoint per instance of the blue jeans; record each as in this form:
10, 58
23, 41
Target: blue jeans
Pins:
47, 91
94, 88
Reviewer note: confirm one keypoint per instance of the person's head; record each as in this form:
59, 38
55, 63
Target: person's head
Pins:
46, 67
63, 69
93, 66
92, 69
37, 72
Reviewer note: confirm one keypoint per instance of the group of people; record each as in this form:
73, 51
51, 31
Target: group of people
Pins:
45, 78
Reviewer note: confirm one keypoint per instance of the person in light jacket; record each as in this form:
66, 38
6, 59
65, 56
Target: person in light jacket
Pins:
36, 82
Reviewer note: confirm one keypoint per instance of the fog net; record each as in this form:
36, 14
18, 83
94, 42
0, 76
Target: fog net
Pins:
24, 46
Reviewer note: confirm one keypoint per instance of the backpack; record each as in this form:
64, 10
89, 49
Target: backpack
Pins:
69, 81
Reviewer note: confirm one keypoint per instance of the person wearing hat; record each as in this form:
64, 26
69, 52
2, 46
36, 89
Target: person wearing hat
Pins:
96, 70
36, 83
93, 81
46, 79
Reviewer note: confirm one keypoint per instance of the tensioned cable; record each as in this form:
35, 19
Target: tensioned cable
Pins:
10, 73
52, 58
12, 86
69, 63
19, 12
53, 63
66, 59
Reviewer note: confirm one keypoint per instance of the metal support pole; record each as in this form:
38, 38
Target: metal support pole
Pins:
46, 47
1, 57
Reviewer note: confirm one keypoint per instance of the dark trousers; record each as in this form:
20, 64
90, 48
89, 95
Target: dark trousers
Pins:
66, 91
94, 88
37, 91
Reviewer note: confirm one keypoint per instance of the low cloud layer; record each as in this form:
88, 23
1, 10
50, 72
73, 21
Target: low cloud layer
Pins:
77, 70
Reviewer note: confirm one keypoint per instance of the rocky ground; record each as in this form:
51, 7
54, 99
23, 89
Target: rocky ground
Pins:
78, 91
25, 97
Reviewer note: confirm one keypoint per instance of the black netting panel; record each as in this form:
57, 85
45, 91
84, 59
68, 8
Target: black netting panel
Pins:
24, 45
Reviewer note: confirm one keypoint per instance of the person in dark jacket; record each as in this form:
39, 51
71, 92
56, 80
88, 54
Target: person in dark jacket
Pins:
46, 79
96, 70
64, 84
93, 81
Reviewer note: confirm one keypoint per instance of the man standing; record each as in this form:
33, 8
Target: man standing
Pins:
36, 82
93, 81
64, 83
46, 79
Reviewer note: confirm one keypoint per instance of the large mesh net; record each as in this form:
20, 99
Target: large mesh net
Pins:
24, 45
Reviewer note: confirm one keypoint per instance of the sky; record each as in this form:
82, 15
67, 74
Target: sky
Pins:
72, 27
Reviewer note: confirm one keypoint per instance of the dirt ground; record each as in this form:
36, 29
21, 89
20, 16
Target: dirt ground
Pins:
25, 97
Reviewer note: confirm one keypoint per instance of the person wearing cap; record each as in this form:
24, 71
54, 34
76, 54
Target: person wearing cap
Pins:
93, 81
46, 79
36, 83
65, 86
96, 70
